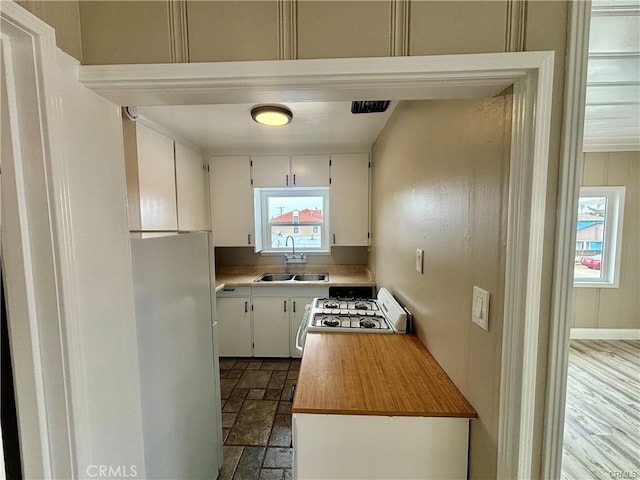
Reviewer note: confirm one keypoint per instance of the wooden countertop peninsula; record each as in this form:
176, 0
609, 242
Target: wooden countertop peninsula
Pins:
374, 374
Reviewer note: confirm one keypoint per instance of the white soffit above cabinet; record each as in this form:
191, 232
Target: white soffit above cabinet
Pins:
612, 111
229, 128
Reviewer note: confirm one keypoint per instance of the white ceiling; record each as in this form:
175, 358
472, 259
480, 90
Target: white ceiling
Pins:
612, 110
229, 128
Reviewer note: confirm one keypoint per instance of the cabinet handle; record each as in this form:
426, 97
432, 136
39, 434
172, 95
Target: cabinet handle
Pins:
246, 307
285, 305
334, 238
294, 178
287, 180
249, 239
294, 307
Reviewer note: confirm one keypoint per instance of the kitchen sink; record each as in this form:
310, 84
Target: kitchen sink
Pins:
287, 277
311, 277
274, 277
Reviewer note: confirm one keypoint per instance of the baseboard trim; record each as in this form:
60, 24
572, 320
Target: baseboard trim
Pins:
605, 333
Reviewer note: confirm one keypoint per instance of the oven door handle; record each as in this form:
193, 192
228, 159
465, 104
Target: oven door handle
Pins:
302, 330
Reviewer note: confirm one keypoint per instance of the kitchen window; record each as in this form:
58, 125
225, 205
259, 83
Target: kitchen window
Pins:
598, 237
301, 213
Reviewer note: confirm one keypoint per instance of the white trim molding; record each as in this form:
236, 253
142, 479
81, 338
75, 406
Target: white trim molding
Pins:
400, 27
447, 76
516, 25
287, 29
605, 334
571, 163
178, 31
32, 257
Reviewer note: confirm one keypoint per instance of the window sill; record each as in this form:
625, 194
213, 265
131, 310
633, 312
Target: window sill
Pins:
269, 253
602, 284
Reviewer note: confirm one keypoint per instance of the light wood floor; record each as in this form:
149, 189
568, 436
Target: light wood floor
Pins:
602, 422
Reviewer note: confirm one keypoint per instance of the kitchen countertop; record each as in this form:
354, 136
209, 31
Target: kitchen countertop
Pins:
242, 276
374, 374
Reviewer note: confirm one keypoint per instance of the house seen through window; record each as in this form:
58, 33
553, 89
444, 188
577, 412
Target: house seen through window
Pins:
297, 212
598, 236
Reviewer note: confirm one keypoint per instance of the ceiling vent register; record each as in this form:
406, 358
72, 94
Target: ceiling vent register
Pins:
369, 106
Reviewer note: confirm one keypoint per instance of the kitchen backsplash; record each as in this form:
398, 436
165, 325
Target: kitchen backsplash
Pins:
231, 256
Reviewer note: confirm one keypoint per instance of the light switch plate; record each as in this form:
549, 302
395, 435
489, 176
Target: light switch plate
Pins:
480, 308
419, 260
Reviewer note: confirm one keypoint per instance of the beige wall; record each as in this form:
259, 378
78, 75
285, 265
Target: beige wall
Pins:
227, 31
125, 32
64, 16
440, 183
343, 29
614, 307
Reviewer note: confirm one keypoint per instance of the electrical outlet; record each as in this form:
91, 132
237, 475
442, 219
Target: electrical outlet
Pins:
419, 260
480, 308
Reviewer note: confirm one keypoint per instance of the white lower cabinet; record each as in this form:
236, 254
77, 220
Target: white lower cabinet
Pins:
271, 326
360, 446
262, 321
234, 322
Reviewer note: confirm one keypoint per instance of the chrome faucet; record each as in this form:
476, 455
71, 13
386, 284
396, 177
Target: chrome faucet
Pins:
293, 245
293, 258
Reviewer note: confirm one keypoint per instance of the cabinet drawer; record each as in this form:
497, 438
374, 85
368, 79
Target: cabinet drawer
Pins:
234, 292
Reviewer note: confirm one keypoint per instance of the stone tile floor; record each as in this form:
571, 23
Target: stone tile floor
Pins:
256, 417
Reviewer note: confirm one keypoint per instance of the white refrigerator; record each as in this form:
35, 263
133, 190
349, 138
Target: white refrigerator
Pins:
179, 375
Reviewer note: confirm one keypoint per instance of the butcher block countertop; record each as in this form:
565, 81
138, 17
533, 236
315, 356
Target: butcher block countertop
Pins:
374, 374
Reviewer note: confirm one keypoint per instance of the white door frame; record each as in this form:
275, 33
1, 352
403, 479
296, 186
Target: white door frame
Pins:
448, 76
571, 164
31, 256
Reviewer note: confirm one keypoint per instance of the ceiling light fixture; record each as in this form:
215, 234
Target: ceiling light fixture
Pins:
271, 115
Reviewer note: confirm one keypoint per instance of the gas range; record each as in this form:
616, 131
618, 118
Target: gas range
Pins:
380, 315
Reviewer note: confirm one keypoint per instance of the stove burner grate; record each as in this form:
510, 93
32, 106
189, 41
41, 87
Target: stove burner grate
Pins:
331, 322
362, 306
367, 323
330, 305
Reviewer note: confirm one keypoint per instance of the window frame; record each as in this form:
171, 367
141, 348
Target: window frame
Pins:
612, 237
262, 224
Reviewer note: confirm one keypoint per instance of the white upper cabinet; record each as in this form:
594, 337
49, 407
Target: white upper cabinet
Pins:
294, 171
270, 171
190, 189
349, 199
231, 201
156, 179
310, 170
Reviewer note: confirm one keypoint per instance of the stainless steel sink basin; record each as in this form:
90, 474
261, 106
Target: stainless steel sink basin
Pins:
274, 277
287, 277
311, 277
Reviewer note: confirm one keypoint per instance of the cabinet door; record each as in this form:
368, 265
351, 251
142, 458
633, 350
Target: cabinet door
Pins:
271, 171
156, 177
234, 326
271, 326
298, 305
231, 201
190, 189
349, 199
310, 170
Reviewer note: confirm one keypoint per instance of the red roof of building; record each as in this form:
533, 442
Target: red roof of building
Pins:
304, 216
